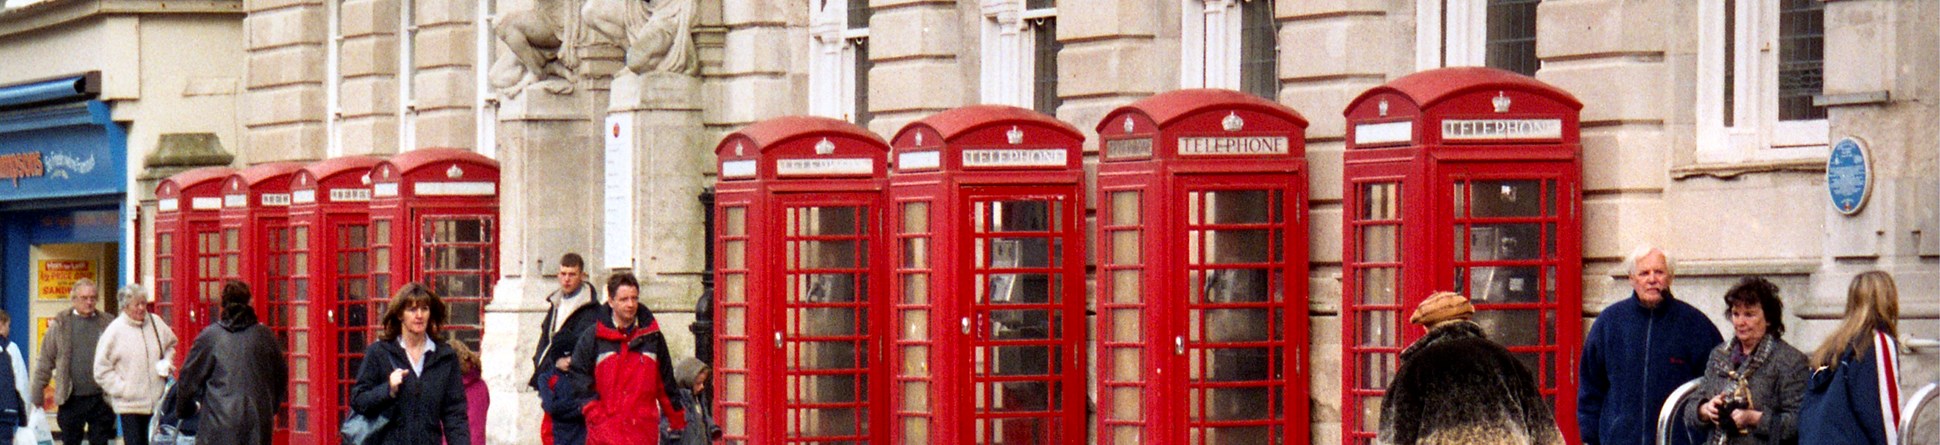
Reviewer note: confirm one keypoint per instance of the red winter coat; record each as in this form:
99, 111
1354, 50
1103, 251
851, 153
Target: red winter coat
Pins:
629, 383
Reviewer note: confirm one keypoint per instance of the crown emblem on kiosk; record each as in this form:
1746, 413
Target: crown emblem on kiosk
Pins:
1128, 124
366, 179
1232, 122
1015, 135
454, 172
824, 147
740, 149
919, 138
1383, 107
1501, 102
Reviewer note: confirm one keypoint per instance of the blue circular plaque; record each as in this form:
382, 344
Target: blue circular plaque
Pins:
1848, 176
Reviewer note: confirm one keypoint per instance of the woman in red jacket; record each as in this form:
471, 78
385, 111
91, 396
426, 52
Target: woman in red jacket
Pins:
629, 384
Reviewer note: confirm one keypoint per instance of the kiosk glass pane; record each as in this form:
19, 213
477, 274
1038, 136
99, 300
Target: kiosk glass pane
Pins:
1234, 341
826, 301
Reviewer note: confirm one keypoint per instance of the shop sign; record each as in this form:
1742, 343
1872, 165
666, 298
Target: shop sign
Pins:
1005, 157
1227, 146
817, 167
57, 277
1128, 148
1849, 176
1501, 129
14, 166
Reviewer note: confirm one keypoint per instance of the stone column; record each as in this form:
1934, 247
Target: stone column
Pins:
662, 116
549, 204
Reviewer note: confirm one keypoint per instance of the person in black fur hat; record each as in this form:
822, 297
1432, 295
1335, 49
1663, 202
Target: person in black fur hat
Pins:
1457, 387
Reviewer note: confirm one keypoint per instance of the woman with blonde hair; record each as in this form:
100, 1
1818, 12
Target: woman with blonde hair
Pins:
1853, 397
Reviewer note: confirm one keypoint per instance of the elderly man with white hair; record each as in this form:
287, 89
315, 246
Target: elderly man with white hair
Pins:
1639, 350
132, 363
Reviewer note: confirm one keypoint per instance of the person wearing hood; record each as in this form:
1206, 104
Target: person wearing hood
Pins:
621, 373
693, 375
1455, 386
411, 380
235, 377
133, 361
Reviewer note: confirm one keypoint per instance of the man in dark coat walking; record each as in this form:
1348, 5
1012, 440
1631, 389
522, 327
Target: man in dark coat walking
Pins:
1457, 387
571, 311
236, 376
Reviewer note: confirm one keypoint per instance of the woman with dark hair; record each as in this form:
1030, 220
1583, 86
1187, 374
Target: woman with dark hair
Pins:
1756, 380
409, 379
1853, 396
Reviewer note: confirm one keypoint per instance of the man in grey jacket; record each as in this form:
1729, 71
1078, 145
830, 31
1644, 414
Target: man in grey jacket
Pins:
67, 358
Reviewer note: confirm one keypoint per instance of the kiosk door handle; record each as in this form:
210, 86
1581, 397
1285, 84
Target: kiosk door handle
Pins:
331, 314
777, 340
966, 325
1179, 345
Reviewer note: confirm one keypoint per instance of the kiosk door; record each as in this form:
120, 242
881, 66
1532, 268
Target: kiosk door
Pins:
1235, 338
827, 299
299, 333
1024, 241
1507, 246
357, 308
457, 259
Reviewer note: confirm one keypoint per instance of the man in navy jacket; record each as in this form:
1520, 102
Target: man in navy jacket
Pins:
1638, 352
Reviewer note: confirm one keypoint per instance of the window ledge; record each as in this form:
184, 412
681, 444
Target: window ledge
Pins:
1848, 99
1734, 169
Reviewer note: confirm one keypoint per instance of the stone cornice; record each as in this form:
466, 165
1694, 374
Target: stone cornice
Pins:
53, 13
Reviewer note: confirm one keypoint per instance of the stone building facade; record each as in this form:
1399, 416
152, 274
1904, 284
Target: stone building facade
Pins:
1694, 134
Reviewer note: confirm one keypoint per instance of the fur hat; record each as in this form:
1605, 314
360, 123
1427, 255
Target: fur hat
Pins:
1442, 307
687, 370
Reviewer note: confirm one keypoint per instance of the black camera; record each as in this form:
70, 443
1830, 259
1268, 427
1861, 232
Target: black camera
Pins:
1730, 404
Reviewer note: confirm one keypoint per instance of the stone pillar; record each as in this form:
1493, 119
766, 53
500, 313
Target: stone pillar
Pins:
669, 156
549, 163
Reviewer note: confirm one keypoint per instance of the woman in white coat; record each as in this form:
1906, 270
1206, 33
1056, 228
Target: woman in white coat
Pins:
132, 363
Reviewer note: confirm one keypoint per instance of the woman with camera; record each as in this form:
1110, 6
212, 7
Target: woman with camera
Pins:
1755, 381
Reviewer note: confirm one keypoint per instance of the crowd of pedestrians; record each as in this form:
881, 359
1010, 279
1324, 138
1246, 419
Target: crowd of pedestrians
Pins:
1455, 386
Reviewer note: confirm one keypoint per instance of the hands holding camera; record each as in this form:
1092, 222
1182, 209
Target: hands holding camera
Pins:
1730, 412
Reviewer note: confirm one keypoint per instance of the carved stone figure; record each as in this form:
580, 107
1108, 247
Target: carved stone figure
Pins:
543, 43
657, 37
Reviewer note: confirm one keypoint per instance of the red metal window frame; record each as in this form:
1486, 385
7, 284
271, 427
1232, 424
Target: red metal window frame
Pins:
467, 312
1115, 335
1360, 393
735, 367
915, 389
793, 340
1062, 270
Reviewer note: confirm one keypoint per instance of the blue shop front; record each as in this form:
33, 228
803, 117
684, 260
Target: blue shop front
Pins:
63, 200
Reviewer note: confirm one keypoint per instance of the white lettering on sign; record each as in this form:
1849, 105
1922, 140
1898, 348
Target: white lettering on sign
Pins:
275, 199
168, 205
1240, 145
235, 200
1384, 133
919, 160
1128, 148
386, 190
349, 195
739, 169
1052, 157
812, 167
209, 203
303, 196
1492, 129
463, 188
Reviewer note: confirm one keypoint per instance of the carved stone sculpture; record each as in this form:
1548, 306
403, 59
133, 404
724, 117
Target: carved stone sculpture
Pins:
657, 37
543, 44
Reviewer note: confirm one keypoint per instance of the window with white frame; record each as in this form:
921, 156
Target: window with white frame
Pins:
407, 55
839, 65
1020, 54
1492, 33
333, 114
1231, 44
484, 101
1760, 63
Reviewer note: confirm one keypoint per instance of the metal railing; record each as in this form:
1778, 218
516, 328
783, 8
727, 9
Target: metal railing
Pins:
1912, 410
1669, 410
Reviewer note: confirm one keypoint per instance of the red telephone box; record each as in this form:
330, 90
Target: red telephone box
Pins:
255, 209
434, 213
328, 316
1466, 180
189, 246
1202, 271
988, 297
800, 270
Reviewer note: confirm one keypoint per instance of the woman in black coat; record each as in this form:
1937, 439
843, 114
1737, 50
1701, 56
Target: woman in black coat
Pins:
408, 378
